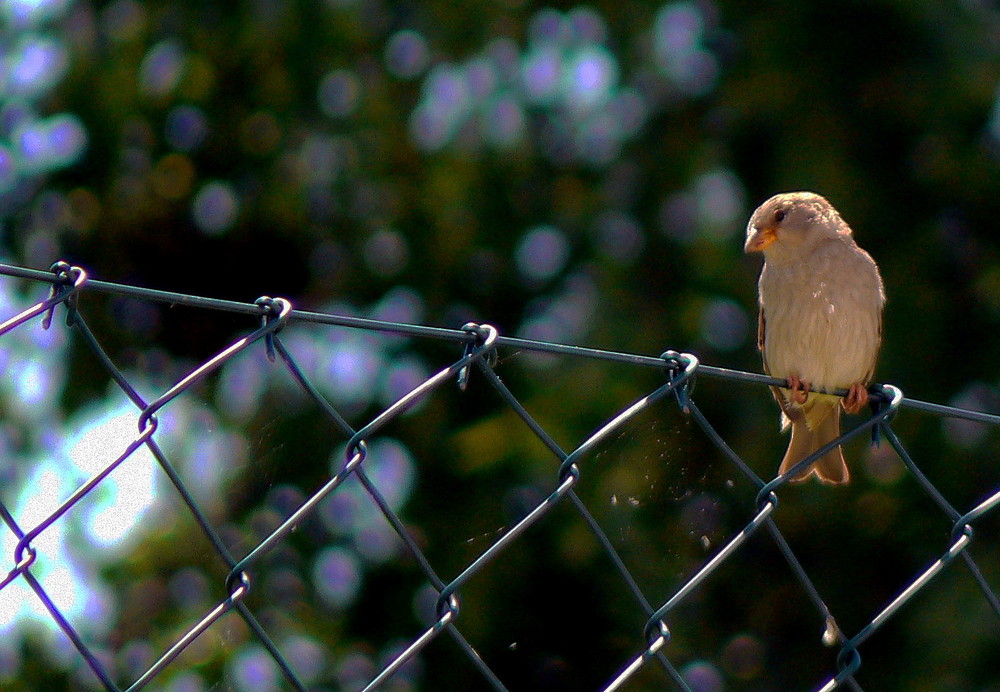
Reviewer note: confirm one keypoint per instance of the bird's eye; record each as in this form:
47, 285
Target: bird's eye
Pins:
780, 215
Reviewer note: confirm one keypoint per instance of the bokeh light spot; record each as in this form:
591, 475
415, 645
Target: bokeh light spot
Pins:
336, 575
629, 109
399, 304
481, 78
377, 543
386, 253
391, 468
407, 54
319, 158
186, 128
341, 512
724, 324
720, 203
162, 68
977, 396
240, 389
307, 657
189, 588
338, 93
445, 105
187, 681
883, 465
677, 30
586, 25
541, 72
31, 147
34, 66
589, 77
215, 207
13, 115
702, 676
253, 670
547, 27
354, 670
619, 237
32, 383
26, 13
403, 376
542, 253
67, 139
743, 657
678, 217
351, 367
503, 120
678, 33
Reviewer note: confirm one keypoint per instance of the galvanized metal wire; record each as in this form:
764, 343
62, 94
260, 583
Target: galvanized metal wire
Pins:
478, 345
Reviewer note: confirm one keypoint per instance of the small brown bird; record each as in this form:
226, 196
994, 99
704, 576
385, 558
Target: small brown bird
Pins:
820, 325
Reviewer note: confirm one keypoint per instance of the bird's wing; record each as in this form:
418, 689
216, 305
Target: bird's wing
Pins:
793, 413
878, 346
760, 336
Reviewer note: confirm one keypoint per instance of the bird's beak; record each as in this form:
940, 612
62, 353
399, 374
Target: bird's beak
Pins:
760, 239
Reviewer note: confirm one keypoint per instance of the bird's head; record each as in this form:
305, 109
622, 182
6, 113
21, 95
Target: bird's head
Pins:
791, 222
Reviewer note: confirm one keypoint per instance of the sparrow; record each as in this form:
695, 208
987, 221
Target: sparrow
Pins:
820, 322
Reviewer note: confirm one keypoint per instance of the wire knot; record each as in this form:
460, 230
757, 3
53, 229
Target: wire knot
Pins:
962, 528
484, 345
767, 496
24, 554
655, 632
881, 398
848, 660
876, 403
355, 453
272, 309
569, 470
680, 368
237, 584
148, 421
69, 280
448, 605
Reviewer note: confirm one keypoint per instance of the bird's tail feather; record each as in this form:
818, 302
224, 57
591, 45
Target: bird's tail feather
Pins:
829, 468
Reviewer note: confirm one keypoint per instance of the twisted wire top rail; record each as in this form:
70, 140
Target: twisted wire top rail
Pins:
459, 335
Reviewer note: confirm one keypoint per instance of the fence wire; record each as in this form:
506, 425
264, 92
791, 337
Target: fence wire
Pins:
478, 345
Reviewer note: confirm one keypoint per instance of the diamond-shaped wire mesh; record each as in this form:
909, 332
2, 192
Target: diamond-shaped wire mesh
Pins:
651, 656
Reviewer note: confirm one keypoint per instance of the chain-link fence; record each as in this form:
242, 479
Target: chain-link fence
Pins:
477, 347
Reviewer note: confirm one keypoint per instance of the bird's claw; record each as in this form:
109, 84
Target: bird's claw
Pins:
857, 397
799, 389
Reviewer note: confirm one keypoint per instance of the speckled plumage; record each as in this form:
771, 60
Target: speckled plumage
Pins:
821, 300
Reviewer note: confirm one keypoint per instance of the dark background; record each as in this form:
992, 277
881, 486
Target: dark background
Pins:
574, 173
